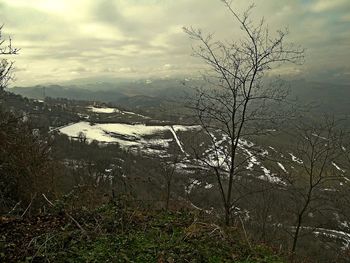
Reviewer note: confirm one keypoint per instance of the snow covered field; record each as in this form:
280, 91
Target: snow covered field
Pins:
106, 110
103, 110
156, 139
127, 135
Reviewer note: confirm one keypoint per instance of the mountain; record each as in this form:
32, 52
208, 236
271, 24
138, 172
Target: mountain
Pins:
68, 92
328, 97
325, 96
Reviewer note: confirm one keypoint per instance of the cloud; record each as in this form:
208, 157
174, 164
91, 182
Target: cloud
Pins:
168, 66
19, 69
80, 69
143, 38
324, 5
126, 70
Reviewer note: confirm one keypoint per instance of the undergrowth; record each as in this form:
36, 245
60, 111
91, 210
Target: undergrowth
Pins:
118, 234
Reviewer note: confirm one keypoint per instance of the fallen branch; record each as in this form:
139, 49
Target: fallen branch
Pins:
30, 204
47, 200
70, 217
14, 208
245, 233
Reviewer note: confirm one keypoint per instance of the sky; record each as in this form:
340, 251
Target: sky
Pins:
62, 40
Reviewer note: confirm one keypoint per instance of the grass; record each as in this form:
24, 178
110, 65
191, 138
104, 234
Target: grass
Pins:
112, 234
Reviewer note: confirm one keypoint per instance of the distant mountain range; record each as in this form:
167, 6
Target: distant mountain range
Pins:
331, 98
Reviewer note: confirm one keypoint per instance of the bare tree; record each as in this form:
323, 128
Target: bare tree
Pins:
168, 170
315, 170
235, 102
6, 66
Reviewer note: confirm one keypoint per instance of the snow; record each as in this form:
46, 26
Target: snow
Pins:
109, 133
329, 190
272, 149
270, 176
188, 166
208, 186
341, 170
244, 145
282, 167
84, 116
107, 110
176, 128
216, 155
264, 153
252, 159
337, 167
345, 224
183, 128
193, 183
136, 114
103, 110
52, 129
346, 179
177, 139
343, 236
295, 159
319, 136
126, 135
155, 152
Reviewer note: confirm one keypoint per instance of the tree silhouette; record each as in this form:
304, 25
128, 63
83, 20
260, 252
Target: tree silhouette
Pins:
235, 102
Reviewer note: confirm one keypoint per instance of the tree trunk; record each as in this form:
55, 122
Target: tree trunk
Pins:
167, 197
227, 215
296, 235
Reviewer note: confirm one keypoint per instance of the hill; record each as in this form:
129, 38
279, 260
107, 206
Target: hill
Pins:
100, 151
154, 93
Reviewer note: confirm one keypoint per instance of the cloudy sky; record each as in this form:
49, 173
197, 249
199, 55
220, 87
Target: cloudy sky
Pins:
66, 39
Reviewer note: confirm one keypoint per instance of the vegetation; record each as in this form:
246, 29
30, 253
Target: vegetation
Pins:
115, 233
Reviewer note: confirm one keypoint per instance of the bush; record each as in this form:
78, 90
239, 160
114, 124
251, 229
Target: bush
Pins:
25, 164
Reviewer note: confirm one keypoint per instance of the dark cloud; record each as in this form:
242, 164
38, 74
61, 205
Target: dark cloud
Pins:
109, 12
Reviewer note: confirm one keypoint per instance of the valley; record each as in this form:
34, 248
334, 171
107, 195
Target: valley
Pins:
166, 142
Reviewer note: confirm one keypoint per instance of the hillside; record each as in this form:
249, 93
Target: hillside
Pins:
105, 152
